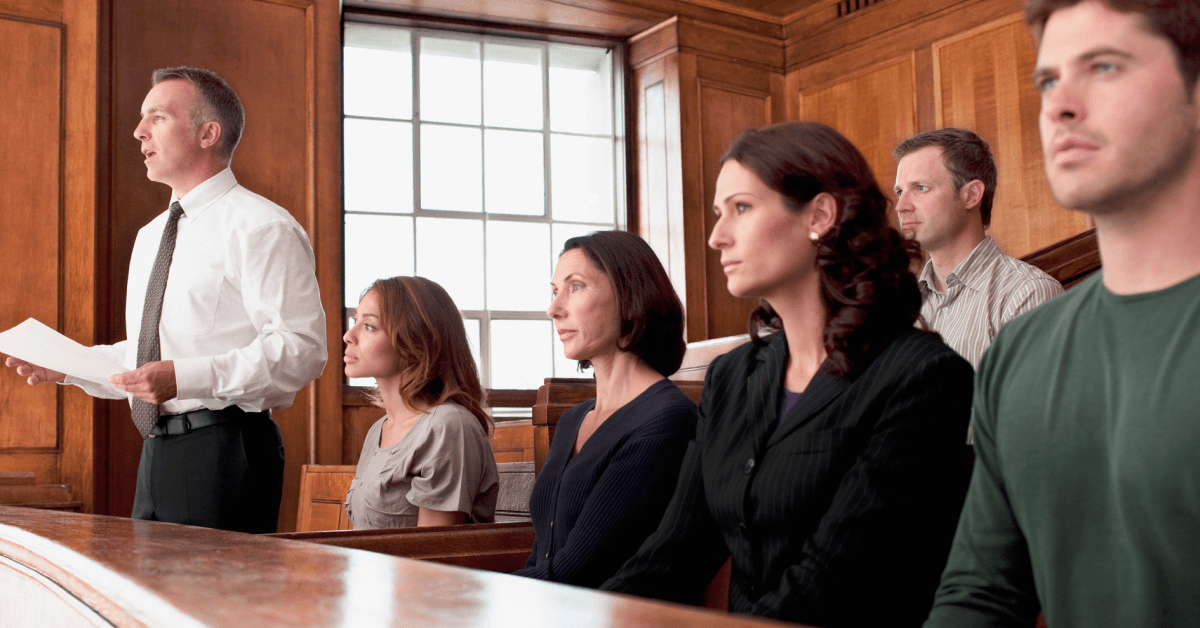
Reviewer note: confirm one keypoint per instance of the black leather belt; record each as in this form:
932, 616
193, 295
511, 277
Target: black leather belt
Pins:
184, 422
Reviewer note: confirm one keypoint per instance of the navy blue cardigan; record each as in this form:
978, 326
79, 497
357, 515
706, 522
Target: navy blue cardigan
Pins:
592, 511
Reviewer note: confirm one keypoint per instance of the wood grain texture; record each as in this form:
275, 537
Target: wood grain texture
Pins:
621, 18
658, 215
982, 82
151, 574
321, 505
82, 417
31, 157
1069, 261
42, 10
500, 547
722, 100
875, 110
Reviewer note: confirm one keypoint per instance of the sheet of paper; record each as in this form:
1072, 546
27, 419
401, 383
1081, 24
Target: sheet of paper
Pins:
38, 344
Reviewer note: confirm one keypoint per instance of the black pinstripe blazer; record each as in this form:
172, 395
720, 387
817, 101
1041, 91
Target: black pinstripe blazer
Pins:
840, 516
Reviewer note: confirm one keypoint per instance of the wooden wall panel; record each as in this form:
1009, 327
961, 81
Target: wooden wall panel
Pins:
725, 111
31, 66
709, 83
982, 82
283, 58
875, 110
658, 177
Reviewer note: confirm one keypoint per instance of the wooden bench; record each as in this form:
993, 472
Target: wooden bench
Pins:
17, 488
323, 495
499, 547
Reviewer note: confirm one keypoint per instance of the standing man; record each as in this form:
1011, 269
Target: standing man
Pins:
945, 183
1085, 499
223, 320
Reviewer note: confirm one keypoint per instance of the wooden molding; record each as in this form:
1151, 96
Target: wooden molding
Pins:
1069, 261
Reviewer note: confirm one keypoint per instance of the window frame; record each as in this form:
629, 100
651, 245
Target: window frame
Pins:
620, 112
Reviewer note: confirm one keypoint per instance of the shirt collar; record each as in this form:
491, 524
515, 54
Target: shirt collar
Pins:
972, 270
969, 272
204, 195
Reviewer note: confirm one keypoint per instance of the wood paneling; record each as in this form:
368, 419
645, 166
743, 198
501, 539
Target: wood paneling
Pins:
658, 179
696, 86
600, 17
44, 10
31, 154
982, 82
725, 111
875, 110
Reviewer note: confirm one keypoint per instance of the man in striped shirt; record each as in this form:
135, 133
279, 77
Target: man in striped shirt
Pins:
945, 183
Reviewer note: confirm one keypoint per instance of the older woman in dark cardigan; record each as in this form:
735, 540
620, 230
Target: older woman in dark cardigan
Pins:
614, 460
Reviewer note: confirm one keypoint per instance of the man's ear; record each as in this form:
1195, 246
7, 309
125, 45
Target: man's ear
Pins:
824, 211
209, 134
971, 194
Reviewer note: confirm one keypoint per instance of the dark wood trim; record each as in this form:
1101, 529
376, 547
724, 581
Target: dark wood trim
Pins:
477, 27
1069, 261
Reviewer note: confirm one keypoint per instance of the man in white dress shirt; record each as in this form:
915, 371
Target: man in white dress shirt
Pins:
945, 184
242, 329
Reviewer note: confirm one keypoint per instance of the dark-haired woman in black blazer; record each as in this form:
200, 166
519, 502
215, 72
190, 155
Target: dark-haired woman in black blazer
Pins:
828, 459
614, 459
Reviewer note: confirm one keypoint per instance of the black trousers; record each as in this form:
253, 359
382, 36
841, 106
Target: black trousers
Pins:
227, 476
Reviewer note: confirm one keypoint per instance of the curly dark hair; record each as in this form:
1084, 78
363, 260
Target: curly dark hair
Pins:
651, 313
867, 284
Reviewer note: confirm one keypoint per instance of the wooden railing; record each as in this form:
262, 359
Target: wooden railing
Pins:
63, 570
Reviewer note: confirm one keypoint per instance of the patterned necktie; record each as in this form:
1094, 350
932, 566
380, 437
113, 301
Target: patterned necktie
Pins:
145, 415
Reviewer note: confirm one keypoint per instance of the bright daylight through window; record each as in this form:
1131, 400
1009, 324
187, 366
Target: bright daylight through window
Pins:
471, 160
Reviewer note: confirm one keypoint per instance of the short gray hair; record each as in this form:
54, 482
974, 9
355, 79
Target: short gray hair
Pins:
217, 103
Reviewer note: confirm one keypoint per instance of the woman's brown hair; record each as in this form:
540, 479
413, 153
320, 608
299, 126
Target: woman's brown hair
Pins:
428, 335
869, 291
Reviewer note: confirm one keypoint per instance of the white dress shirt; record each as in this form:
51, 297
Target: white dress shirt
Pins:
242, 317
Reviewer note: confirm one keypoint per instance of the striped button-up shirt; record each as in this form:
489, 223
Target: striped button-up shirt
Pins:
985, 291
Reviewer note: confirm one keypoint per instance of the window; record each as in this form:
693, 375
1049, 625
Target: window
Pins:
470, 160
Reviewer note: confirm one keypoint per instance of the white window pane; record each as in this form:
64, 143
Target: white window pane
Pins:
581, 178
450, 252
378, 169
472, 327
512, 86
377, 64
376, 247
450, 80
451, 168
580, 89
520, 353
564, 231
515, 180
518, 275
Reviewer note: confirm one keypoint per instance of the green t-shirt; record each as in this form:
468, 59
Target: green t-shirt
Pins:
1085, 499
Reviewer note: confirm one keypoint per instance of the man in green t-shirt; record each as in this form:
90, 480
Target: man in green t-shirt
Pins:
1085, 501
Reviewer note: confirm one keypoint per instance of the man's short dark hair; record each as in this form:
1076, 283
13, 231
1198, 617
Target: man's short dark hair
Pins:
1177, 21
217, 103
965, 155
650, 312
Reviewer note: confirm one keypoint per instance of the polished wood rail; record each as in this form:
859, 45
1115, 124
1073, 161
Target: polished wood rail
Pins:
65, 569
